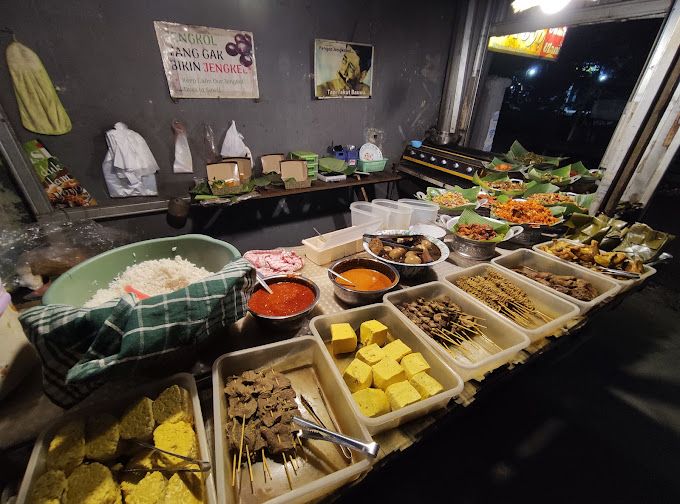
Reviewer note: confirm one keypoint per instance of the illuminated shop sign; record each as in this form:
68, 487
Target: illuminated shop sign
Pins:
542, 44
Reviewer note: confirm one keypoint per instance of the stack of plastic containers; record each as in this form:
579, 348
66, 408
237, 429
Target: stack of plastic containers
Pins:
422, 212
400, 214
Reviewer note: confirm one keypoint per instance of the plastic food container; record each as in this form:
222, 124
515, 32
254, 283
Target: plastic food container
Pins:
377, 165
400, 214
116, 404
364, 212
625, 284
304, 361
421, 211
335, 245
539, 262
509, 339
79, 284
388, 315
560, 310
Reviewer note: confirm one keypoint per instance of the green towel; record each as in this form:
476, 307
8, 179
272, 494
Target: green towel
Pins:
80, 348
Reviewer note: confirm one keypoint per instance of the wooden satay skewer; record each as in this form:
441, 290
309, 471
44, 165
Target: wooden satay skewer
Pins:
285, 466
240, 449
250, 469
266, 465
233, 471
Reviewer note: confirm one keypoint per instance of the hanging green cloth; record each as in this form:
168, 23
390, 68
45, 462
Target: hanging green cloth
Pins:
40, 108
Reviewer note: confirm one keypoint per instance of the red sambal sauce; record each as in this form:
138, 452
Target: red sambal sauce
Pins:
288, 298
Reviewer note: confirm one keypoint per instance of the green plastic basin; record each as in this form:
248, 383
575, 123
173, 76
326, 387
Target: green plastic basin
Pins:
78, 285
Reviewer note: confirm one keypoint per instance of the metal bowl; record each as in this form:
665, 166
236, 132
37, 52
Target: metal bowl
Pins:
286, 322
410, 270
355, 297
473, 249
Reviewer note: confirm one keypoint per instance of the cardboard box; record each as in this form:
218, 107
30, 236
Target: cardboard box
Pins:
271, 163
245, 167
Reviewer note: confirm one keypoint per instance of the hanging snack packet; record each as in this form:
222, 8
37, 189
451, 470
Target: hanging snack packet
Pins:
62, 189
183, 163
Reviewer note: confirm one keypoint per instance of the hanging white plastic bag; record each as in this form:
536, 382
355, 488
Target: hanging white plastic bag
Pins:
129, 166
233, 145
183, 162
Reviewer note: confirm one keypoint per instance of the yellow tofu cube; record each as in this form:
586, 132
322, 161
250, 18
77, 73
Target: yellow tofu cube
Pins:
343, 338
402, 394
373, 331
372, 402
371, 354
358, 375
386, 372
425, 385
396, 350
413, 364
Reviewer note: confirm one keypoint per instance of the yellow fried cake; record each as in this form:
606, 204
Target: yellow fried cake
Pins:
102, 433
67, 447
137, 422
91, 484
173, 405
176, 437
48, 488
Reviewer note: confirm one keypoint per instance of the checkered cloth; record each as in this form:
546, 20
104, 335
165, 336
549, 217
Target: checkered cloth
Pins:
82, 347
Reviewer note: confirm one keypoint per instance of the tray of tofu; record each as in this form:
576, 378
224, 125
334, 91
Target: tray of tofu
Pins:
472, 338
100, 453
390, 374
258, 455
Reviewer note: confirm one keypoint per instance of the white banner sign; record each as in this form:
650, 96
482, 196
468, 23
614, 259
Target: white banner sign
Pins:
202, 62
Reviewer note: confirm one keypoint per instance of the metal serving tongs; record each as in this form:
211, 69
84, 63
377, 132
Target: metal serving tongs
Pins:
311, 430
619, 273
203, 465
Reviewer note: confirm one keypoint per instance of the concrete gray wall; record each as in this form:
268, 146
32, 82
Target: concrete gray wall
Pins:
104, 60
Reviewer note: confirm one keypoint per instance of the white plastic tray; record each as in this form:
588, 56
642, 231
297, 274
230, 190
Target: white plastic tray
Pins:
423, 212
560, 310
364, 212
335, 245
540, 262
625, 284
304, 361
116, 405
400, 214
498, 329
388, 315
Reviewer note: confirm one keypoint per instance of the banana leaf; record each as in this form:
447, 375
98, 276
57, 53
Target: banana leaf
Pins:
558, 176
333, 165
534, 187
470, 217
579, 168
469, 194
518, 154
492, 166
496, 177
643, 242
585, 228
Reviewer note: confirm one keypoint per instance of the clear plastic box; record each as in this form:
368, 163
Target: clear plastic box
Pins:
540, 262
625, 284
388, 315
498, 329
560, 310
364, 212
422, 212
36, 464
400, 214
304, 361
335, 245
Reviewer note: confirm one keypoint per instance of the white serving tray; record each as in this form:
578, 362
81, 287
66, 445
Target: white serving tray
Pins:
498, 329
606, 286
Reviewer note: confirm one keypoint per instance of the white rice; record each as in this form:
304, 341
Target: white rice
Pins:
152, 278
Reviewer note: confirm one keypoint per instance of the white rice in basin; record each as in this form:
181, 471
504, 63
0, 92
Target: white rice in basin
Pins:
154, 277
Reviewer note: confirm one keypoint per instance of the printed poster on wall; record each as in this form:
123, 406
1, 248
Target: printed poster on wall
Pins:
342, 69
202, 62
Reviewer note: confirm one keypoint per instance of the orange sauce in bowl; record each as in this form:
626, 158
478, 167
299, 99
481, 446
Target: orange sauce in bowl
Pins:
288, 298
365, 279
